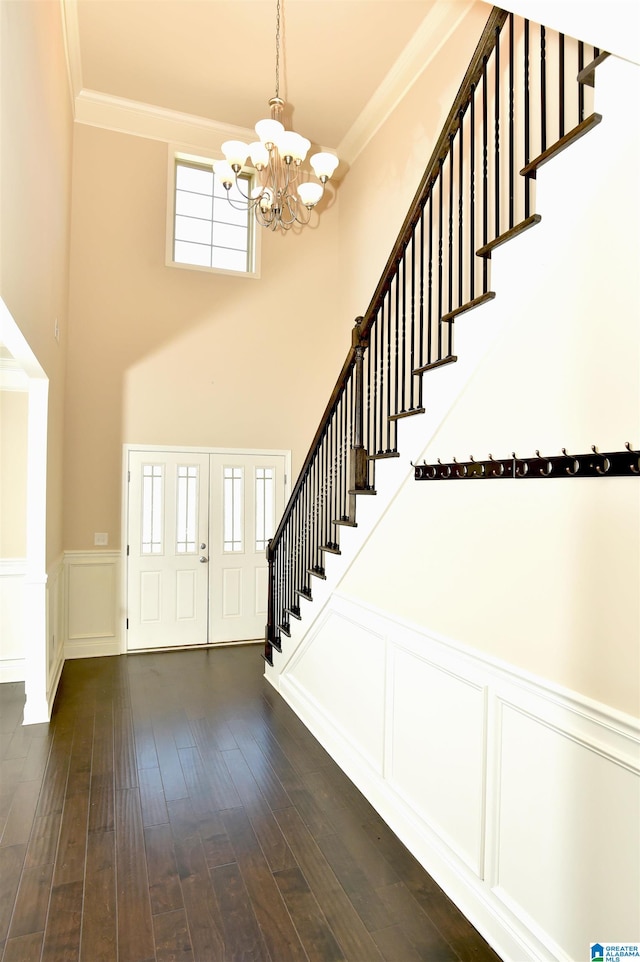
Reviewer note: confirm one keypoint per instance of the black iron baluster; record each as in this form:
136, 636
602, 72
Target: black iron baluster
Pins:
412, 340
460, 204
580, 86
512, 162
527, 121
496, 159
440, 223
388, 411
485, 178
396, 282
560, 85
430, 283
543, 90
472, 197
380, 317
421, 298
403, 343
450, 259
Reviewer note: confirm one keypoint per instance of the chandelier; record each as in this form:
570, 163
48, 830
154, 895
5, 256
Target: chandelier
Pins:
283, 195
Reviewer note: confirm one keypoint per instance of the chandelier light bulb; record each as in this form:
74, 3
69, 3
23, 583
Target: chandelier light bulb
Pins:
259, 155
310, 193
223, 172
266, 199
293, 147
236, 153
269, 132
323, 165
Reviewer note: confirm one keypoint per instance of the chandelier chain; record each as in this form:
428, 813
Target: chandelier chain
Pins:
278, 50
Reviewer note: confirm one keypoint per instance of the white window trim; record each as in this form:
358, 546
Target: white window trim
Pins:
194, 155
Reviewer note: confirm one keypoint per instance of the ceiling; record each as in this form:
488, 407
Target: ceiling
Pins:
215, 59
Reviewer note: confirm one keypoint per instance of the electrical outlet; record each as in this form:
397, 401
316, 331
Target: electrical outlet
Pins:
100, 538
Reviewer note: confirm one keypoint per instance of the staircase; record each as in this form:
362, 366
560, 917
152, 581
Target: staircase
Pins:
526, 96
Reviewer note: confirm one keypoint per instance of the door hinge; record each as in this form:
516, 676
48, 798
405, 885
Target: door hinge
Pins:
127, 551
128, 475
127, 624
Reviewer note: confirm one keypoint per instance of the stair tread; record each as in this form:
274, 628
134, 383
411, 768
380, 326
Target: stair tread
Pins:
379, 455
575, 134
405, 414
469, 306
449, 359
509, 235
360, 491
331, 548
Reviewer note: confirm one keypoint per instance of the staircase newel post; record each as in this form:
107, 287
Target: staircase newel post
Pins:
358, 473
269, 631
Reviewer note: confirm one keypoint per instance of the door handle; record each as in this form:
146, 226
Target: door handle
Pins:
203, 560
202, 546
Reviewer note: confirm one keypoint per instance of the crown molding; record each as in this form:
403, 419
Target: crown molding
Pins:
436, 28
97, 109
124, 116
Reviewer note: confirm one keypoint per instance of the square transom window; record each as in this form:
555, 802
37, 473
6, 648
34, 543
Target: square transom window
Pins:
210, 228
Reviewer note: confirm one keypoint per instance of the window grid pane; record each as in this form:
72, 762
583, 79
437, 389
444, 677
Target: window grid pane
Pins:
264, 507
208, 231
232, 504
152, 509
187, 509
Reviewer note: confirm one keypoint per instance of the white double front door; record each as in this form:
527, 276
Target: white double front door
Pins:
198, 524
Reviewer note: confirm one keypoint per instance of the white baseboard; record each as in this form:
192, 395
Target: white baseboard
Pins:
11, 669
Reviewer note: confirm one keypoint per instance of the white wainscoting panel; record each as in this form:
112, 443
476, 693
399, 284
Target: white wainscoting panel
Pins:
570, 813
520, 798
92, 603
12, 572
437, 726
352, 697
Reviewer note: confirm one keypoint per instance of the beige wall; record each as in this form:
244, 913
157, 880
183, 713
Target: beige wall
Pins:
163, 355
13, 474
375, 197
35, 174
542, 574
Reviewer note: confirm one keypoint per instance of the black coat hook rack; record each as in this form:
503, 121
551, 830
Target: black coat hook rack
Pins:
595, 464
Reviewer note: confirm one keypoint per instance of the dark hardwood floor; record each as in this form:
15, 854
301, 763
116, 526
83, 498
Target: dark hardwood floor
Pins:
176, 810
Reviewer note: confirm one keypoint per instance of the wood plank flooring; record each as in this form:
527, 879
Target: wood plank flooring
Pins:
176, 810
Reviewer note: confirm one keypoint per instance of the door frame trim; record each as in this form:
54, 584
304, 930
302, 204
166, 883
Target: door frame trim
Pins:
127, 448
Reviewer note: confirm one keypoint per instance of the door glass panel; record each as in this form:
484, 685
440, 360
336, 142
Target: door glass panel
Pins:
232, 500
152, 508
187, 509
264, 507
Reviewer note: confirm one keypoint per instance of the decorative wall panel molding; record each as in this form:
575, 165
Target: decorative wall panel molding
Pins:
92, 599
507, 788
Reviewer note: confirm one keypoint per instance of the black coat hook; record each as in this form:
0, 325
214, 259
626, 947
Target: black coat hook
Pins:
575, 466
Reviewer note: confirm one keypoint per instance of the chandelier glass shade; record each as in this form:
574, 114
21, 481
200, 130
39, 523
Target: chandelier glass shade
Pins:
284, 193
